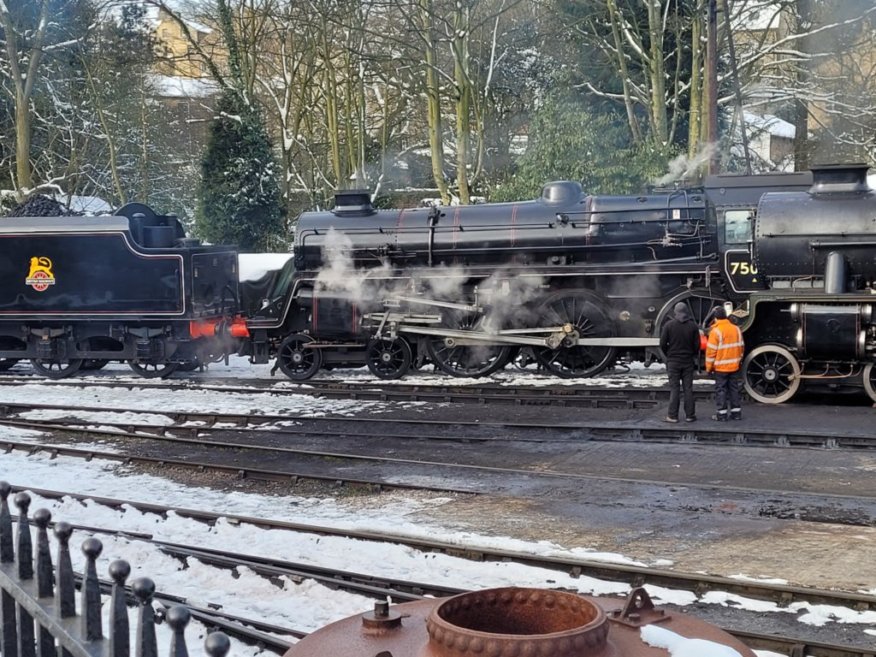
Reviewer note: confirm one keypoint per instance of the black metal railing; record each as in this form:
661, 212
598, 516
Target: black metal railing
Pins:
38, 602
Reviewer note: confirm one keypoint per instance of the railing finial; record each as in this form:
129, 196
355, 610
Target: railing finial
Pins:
42, 518
25, 545
147, 646
65, 594
178, 617
7, 546
91, 621
119, 628
217, 644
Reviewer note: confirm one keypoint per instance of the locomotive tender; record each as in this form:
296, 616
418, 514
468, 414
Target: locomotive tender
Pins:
573, 281
78, 291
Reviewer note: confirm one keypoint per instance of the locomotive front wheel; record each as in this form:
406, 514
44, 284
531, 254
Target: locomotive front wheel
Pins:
389, 359
584, 312
296, 360
771, 374
153, 370
870, 380
7, 363
465, 361
56, 369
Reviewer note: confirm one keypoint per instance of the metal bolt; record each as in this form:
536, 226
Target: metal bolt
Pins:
381, 609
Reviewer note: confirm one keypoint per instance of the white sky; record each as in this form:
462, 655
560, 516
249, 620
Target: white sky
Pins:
307, 606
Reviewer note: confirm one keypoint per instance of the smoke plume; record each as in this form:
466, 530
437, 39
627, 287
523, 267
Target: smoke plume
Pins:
683, 167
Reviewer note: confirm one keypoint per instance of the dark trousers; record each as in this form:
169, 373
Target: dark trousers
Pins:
683, 375
728, 395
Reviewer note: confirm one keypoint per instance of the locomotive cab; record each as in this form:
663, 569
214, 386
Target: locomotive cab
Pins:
733, 211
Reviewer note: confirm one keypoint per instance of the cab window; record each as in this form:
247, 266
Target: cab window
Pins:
737, 226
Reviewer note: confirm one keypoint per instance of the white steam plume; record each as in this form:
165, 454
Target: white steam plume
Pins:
683, 167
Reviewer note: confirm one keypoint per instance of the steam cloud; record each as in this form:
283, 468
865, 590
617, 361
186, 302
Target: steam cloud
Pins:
683, 167
503, 295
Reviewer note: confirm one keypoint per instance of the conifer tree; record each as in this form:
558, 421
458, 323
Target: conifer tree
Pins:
239, 200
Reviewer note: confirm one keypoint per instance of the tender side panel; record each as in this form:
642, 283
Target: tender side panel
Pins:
86, 273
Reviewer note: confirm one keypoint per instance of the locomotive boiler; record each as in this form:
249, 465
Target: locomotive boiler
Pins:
79, 291
815, 252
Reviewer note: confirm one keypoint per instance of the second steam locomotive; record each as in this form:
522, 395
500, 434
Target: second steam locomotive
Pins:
575, 282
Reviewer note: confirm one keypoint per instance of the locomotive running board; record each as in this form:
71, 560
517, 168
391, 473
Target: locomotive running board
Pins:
471, 338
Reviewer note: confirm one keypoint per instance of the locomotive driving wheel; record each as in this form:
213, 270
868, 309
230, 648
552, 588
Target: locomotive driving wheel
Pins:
771, 374
153, 370
389, 359
56, 369
297, 361
700, 304
584, 312
869, 375
465, 360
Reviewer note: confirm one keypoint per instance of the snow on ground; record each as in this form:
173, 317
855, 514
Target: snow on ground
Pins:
306, 606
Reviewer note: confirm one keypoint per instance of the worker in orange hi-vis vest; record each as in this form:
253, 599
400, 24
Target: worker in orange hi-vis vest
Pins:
723, 357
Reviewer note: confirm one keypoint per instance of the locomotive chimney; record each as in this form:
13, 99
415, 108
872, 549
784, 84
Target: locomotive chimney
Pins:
839, 179
353, 202
561, 192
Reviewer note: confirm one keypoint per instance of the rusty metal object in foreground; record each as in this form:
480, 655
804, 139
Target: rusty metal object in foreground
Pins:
508, 622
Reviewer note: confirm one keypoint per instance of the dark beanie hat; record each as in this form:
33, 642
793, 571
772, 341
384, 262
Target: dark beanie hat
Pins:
720, 313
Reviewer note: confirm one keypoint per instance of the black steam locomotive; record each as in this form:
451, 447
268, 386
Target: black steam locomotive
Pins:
573, 281
578, 282
79, 291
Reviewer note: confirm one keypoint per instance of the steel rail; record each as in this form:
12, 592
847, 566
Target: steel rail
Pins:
563, 396
239, 472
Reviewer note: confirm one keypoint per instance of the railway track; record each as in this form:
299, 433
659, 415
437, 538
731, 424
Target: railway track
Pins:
236, 453
562, 396
378, 587
377, 460
197, 424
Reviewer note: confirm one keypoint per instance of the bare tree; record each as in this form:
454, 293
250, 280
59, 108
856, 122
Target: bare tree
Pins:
29, 33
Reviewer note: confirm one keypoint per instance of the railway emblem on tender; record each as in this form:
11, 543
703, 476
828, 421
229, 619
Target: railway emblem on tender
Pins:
40, 276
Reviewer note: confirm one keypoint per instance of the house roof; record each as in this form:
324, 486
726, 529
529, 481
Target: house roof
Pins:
770, 123
176, 86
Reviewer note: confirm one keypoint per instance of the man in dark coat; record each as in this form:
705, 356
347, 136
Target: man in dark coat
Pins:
680, 342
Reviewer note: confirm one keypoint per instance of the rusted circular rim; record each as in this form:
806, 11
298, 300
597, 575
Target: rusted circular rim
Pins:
581, 640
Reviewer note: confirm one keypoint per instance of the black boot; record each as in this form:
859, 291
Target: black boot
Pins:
735, 413
720, 416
